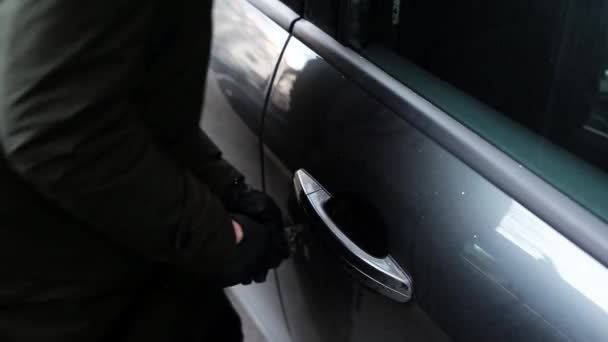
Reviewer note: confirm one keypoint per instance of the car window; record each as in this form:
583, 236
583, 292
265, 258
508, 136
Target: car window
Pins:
345, 20
530, 76
296, 5
324, 14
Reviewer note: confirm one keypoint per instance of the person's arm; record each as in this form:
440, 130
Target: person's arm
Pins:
204, 159
70, 126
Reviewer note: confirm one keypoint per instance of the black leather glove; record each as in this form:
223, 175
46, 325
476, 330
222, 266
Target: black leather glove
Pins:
241, 198
256, 254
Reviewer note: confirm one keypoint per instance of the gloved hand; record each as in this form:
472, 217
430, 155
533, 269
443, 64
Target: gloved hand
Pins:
241, 198
257, 253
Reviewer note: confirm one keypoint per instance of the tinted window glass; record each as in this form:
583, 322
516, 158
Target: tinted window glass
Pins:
324, 14
296, 5
538, 61
531, 76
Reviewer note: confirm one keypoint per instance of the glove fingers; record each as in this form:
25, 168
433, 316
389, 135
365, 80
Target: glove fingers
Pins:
282, 245
259, 206
274, 259
260, 278
262, 248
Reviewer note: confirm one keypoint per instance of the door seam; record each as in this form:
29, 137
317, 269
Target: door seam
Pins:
269, 89
261, 144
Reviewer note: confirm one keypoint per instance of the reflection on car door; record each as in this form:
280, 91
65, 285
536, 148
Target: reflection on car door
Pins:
484, 266
246, 47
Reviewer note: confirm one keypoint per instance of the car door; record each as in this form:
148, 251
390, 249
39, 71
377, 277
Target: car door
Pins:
461, 142
245, 50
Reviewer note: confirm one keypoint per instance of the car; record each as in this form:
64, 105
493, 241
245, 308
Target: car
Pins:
441, 165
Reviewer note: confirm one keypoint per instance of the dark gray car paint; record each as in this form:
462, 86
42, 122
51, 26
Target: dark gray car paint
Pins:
484, 266
246, 47
565, 215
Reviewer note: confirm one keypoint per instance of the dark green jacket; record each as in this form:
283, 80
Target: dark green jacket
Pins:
106, 182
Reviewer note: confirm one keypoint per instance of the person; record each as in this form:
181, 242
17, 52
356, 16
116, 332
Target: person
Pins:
119, 219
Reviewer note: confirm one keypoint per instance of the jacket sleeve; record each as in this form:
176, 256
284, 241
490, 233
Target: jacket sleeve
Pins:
204, 159
70, 126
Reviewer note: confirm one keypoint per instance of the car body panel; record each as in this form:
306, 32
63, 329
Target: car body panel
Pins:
484, 266
494, 251
553, 206
245, 50
246, 46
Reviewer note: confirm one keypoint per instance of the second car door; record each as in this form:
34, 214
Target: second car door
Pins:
482, 238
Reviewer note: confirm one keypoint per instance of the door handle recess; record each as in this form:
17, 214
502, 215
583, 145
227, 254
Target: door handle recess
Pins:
383, 275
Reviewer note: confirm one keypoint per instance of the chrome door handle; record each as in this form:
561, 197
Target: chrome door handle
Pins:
381, 274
